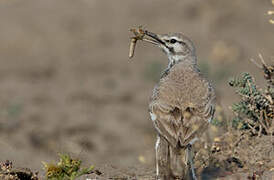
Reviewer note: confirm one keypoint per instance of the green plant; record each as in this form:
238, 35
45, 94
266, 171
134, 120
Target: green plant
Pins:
255, 110
66, 169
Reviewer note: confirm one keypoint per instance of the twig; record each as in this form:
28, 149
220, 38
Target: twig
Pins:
260, 131
262, 59
261, 121
253, 61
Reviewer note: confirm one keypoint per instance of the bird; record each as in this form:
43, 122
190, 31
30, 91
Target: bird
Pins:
181, 106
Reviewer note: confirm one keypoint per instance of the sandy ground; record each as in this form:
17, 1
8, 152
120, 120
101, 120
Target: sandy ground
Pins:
66, 84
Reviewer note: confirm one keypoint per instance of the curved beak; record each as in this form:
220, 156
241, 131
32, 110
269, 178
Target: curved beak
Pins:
155, 39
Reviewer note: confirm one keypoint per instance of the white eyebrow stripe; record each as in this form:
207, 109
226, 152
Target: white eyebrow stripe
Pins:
174, 37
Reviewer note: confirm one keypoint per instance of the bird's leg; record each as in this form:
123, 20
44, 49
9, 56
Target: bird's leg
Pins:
162, 159
190, 160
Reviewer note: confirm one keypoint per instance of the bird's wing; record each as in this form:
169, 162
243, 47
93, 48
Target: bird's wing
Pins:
183, 91
166, 124
172, 123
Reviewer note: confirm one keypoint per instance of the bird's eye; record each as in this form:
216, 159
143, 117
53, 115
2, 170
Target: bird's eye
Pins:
173, 41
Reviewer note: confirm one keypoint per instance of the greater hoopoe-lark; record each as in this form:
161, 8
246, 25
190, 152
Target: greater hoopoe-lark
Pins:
181, 106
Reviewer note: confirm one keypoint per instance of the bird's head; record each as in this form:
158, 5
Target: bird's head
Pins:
175, 45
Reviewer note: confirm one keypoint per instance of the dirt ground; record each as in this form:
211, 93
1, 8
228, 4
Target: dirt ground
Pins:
66, 84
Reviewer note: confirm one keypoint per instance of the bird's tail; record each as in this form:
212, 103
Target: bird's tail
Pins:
178, 163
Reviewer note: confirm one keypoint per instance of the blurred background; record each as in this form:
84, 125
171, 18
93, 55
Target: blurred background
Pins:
66, 84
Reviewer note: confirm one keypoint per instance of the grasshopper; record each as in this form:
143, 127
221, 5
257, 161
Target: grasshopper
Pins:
139, 35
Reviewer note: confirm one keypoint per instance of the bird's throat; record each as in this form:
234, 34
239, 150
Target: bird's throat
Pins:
175, 59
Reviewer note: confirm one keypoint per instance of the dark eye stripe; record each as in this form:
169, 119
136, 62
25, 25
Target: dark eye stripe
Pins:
181, 42
169, 41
